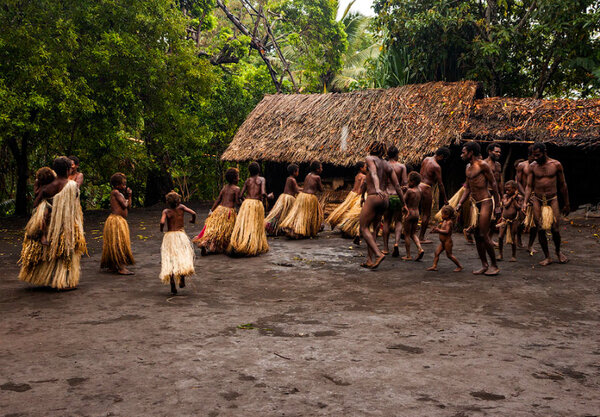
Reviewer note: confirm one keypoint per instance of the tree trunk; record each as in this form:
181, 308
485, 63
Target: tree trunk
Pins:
158, 184
21, 158
158, 180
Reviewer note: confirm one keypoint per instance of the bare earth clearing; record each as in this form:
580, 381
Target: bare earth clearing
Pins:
303, 331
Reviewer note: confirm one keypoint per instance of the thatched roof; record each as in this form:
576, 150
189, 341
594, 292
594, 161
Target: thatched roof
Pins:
337, 128
527, 120
418, 118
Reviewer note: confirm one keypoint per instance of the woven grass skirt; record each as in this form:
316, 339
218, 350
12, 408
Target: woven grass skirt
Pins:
336, 217
280, 210
58, 263
350, 224
177, 256
305, 218
218, 228
453, 202
116, 247
249, 237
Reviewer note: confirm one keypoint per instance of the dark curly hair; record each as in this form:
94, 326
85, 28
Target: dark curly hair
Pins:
232, 176
292, 168
377, 148
449, 211
44, 176
473, 147
61, 166
254, 169
315, 165
117, 179
414, 176
173, 199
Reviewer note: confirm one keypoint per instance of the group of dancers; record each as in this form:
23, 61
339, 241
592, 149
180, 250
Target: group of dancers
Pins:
385, 198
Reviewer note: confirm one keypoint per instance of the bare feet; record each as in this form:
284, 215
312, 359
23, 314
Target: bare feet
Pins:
480, 271
124, 271
406, 258
458, 269
378, 261
492, 270
546, 262
432, 268
495, 244
513, 259
366, 264
500, 257
385, 252
420, 256
426, 242
562, 258
395, 252
531, 251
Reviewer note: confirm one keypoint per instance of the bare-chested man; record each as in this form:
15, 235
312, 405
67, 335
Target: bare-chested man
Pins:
380, 173
480, 179
394, 211
431, 174
494, 152
521, 177
545, 179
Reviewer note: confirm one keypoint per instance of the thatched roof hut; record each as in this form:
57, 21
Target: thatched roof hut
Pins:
337, 128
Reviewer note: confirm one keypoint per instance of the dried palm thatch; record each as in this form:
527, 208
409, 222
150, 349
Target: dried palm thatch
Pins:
528, 120
338, 128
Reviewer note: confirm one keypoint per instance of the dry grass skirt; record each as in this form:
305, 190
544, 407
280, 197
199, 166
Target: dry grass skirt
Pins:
340, 211
56, 264
218, 228
453, 202
529, 221
350, 224
280, 210
116, 248
547, 217
305, 218
249, 237
177, 256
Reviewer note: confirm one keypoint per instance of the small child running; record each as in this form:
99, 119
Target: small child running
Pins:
512, 202
444, 229
177, 253
412, 200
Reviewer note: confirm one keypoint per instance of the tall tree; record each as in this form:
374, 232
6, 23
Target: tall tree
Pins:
521, 48
90, 74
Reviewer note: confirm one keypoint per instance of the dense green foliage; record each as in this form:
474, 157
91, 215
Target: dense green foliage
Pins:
515, 47
157, 88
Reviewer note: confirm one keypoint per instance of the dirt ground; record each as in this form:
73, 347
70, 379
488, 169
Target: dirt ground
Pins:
303, 331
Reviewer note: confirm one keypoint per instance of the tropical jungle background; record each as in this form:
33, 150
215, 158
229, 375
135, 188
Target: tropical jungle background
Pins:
157, 88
